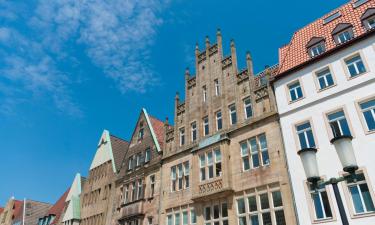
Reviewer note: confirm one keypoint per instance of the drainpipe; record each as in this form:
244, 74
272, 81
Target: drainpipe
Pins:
24, 211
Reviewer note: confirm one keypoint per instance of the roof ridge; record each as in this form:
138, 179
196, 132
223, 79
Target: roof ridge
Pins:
118, 137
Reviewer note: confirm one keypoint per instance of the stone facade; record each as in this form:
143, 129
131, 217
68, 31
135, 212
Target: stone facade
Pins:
97, 195
138, 183
206, 179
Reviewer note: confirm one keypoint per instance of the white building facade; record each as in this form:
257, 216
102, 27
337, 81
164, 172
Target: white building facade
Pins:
326, 88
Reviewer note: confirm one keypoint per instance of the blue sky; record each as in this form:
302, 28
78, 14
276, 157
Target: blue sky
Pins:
71, 68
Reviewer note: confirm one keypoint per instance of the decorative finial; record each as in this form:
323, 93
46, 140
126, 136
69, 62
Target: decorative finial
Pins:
218, 32
207, 39
248, 55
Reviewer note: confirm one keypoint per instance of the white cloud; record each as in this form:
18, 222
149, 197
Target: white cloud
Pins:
116, 36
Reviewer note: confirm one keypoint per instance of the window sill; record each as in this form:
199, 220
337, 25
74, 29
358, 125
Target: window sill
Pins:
326, 88
297, 100
356, 76
362, 215
369, 132
327, 220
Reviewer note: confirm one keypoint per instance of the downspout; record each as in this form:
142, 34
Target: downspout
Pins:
24, 211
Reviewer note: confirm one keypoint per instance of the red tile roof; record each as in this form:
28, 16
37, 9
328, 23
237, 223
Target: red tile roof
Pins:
158, 127
119, 149
58, 208
295, 53
18, 209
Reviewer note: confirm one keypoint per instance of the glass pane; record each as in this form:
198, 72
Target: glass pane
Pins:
264, 203
263, 141
242, 220
241, 206
193, 217
310, 138
317, 205
329, 79
361, 67
356, 199
299, 92
352, 70
185, 219
370, 120
344, 127
225, 222
265, 157
202, 160
368, 104
203, 174
224, 210
336, 115
255, 158
280, 218
244, 149
170, 221
277, 200
252, 204
367, 198
254, 220
218, 169
246, 163
210, 172
207, 213
217, 155
326, 205
216, 212
253, 145
266, 217
302, 140
209, 158
177, 219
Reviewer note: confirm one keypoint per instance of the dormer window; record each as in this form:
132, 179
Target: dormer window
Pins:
343, 33
316, 46
368, 19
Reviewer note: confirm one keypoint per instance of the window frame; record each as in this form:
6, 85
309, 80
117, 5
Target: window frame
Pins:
346, 69
147, 155
204, 93
295, 133
245, 105
348, 198
288, 93
360, 113
316, 46
206, 122
217, 87
231, 111
367, 23
182, 136
194, 130
210, 165
316, 78
217, 119
348, 120
337, 37
250, 153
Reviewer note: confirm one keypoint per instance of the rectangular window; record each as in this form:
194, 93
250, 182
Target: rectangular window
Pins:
130, 163
317, 49
210, 164
152, 185
204, 90
338, 124
140, 190
187, 174
360, 195
355, 66
320, 202
185, 218
254, 152
216, 214
233, 114
182, 136
257, 209
138, 160
193, 217
134, 191
219, 121
126, 196
170, 220
180, 176
206, 128
325, 78
173, 178
305, 135
177, 219
217, 87
140, 134
193, 131
149, 219
371, 23
248, 108
217, 162
368, 112
344, 36
147, 155
202, 165
295, 91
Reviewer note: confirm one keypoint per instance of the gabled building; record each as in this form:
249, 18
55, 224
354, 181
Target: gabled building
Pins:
138, 183
97, 195
223, 161
54, 214
325, 91
72, 209
17, 212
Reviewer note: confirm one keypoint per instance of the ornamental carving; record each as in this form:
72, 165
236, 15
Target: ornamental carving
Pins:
181, 108
202, 57
242, 76
191, 82
226, 62
213, 49
261, 93
211, 187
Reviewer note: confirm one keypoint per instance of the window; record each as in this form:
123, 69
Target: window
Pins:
193, 217
134, 191
320, 203
173, 179
338, 124
325, 78
210, 164
233, 114
152, 186
182, 136
219, 121
138, 160
179, 216
126, 198
177, 219
217, 87
147, 155
140, 133
169, 220
140, 190
254, 152
149, 220
193, 131
204, 90
355, 66
295, 91
317, 49
360, 195
344, 36
305, 135
185, 218
370, 23
368, 112
187, 174
206, 128
130, 163
216, 214
264, 208
248, 108
180, 176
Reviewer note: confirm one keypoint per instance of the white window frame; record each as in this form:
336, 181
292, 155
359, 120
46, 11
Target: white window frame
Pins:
355, 64
317, 49
206, 124
204, 93
193, 126
295, 91
324, 73
305, 135
182, 136
232, 110
152, 186
363, 111
217, 87
147, 155
246, 104
344, 36
219, 117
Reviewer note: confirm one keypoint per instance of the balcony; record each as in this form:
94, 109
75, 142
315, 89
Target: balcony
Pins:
212, 188
132, 209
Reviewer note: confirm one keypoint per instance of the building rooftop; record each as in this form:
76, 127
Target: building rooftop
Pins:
295, 53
